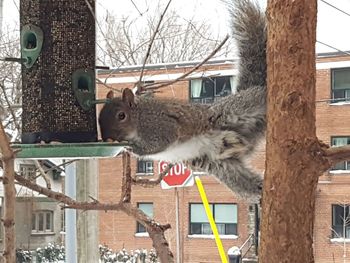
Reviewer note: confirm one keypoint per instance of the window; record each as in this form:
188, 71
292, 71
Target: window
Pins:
63, 221
207, 90
340, 221
341, 84
145, 167
225, 216
28, 171
147, 208
42, 222
341, 141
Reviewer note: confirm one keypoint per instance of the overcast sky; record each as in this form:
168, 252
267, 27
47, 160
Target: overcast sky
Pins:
332, 27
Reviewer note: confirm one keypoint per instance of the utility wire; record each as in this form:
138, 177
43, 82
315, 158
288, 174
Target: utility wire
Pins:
340, 10
136, 7
339, 50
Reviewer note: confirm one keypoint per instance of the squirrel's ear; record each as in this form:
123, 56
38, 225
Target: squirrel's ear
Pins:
128, 97
110, 95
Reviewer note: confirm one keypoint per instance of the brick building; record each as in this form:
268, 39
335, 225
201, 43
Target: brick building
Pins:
332, 222
235, 217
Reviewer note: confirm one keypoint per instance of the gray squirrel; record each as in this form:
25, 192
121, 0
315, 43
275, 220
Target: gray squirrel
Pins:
215, 138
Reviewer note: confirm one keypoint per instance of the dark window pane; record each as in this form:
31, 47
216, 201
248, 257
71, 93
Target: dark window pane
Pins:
337, 231
48, 221
221, 228
222, 87
338, 94
231, 229
206, 230
340, 221
140, 228
41, 222
338, 211
196, 228
144, 166
341, 78
207, 88
33, 222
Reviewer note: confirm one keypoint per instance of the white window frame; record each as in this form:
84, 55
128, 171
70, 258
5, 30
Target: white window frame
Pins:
140, 226
27, 170
206, 225
148, 170
199, 83
345, 225
334, 170
35, 225
346, 98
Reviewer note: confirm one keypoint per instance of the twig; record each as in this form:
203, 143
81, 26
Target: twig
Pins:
93, 199
138, 84
62, 164
43, 174
92, 11
10, 108
155, 86
9, 197
152, 182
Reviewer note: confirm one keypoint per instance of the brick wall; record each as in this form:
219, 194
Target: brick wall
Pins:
331, 120
118, 230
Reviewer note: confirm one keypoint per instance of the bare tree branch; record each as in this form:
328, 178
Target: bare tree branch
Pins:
152, 182
338, 154
150, 45
43, 174
155, 230
10, 107
155, 86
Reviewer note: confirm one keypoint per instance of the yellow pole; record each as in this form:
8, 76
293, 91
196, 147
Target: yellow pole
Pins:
211, 219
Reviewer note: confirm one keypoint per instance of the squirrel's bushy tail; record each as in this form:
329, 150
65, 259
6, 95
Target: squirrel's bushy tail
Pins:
249, 31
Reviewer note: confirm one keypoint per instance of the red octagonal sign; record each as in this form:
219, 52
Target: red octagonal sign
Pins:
178, 176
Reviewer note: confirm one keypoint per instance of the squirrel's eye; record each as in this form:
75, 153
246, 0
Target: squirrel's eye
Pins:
121, 116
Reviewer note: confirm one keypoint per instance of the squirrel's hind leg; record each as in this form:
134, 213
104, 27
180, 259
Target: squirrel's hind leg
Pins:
232, 172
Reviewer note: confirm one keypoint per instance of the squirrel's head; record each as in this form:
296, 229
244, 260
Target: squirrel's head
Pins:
116, 120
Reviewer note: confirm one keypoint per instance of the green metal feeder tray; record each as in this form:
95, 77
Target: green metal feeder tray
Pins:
68, 150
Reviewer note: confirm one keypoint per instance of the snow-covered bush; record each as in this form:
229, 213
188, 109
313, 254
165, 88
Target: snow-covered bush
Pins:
23, 256
123, 256
51, 253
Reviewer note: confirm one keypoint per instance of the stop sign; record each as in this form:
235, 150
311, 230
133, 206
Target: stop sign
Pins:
178, 176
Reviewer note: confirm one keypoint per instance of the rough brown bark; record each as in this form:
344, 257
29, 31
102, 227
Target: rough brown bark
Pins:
9, 254
294, 156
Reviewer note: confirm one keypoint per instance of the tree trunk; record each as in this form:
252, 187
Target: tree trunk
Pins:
8, 164
293, 164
